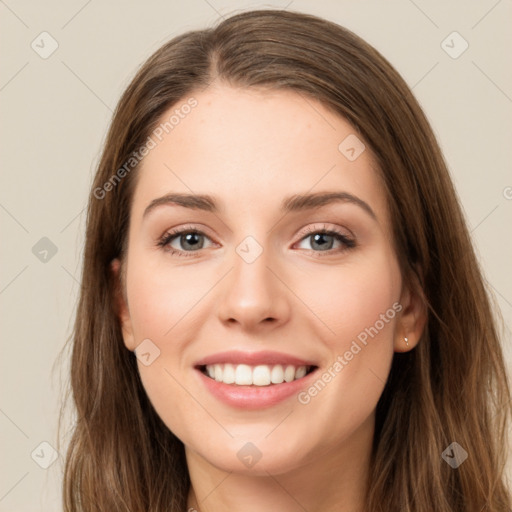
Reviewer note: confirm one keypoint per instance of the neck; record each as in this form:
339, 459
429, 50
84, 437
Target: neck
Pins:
335, 480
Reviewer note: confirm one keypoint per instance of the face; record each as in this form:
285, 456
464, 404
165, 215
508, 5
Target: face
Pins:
264, 324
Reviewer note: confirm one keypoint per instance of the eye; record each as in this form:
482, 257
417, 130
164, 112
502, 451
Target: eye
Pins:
323, 240
191, 240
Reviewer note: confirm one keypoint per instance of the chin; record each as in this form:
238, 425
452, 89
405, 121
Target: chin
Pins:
255, 458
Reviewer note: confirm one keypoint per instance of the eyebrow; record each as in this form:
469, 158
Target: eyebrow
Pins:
294, 203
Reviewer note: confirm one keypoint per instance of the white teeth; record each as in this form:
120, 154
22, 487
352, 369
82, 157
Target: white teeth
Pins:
289, 373
261, 375
277, 375
243, 374
300, 372
228, 375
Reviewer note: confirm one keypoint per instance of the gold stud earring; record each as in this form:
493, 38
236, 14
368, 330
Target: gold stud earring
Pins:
406, 341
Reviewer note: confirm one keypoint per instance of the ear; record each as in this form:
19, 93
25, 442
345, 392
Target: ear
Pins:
121, 306
413, 317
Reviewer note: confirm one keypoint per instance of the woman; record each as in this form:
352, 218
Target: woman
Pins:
281, 308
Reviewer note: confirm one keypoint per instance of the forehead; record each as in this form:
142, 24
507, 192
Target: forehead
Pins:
251, 148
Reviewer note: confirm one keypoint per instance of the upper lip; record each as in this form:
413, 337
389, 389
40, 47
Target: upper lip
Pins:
266, 357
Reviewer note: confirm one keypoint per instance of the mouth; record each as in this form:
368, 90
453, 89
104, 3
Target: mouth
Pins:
255, 375
254, 380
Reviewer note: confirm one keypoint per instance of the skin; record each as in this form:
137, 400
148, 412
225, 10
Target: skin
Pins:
251, 149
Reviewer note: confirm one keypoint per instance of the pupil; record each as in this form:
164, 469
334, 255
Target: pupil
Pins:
191, 239
321, 235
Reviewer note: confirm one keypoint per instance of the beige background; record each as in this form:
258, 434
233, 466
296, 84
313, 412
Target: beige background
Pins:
55, 113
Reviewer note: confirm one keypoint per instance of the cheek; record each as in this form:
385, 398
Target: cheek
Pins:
162, 306
162, 300
165, 305
357, 309
351, 300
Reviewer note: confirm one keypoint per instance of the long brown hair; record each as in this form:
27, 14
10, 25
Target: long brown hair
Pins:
453, 387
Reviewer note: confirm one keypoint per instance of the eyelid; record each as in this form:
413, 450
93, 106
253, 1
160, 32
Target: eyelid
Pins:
348, 241
173, 233
187, 228
310, 229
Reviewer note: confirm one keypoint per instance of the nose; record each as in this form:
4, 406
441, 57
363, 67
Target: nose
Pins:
254, 295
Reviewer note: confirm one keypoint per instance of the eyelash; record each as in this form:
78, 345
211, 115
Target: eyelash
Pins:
165, 240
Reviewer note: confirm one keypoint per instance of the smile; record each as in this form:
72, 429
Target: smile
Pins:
259, 375
254, 380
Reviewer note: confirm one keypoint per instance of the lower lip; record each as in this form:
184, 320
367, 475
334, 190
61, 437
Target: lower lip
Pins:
254, 397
